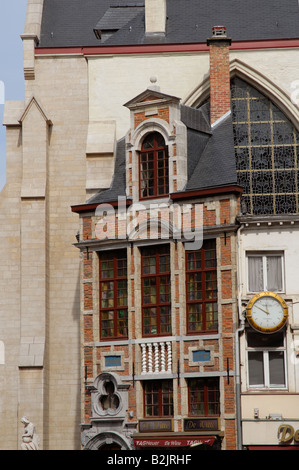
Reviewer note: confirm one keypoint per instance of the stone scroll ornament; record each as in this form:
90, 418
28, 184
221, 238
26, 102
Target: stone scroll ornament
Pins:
30, 438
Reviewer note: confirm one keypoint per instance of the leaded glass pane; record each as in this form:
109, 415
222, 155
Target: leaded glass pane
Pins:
261, 158
284, 157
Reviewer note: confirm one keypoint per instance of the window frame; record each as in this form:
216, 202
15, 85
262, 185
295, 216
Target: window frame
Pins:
155, 150
115, 256
204, 270
159, 393
207, 382
158, 251
264, 255
266, 351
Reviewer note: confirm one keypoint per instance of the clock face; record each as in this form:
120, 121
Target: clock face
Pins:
267, 312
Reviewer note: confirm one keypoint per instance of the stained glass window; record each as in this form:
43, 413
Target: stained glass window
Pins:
267, 153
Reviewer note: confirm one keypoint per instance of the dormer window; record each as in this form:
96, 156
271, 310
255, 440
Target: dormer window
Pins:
153, 167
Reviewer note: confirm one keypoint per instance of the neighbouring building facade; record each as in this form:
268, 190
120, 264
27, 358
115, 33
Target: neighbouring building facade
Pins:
268, 260
151, 196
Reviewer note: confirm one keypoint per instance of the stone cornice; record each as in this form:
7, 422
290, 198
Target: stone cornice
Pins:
283, 220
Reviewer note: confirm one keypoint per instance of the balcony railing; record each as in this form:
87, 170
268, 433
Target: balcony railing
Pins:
156, 357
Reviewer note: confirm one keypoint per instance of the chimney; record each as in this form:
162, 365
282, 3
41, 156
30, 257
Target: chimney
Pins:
155, 16
219, 73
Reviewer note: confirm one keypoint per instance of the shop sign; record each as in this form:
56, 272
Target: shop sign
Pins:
174, 442
201, 424
286, 434
155, 425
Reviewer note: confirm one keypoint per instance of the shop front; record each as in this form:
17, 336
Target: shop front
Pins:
198, 434
271, 435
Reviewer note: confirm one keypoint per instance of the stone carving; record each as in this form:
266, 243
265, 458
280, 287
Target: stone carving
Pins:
109, 412
30, 438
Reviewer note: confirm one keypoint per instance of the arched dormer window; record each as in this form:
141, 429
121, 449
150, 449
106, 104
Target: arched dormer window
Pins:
153, 167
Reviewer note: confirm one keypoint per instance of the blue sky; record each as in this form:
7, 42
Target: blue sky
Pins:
12, 20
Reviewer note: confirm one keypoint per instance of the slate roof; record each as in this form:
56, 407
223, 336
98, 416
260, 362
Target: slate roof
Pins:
211, 156
215, 164
68, 23
118, 184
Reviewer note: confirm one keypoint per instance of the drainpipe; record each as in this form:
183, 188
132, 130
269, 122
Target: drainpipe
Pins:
237, 343
238, 384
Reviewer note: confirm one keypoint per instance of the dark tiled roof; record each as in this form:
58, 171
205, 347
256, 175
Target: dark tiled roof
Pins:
118, 185
72, 22
215, 163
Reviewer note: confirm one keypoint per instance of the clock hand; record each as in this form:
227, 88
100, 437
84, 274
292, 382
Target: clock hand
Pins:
266, 311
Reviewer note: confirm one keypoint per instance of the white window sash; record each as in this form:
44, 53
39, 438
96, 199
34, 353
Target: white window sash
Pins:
255, 269
274, 273
266, 368
259, 278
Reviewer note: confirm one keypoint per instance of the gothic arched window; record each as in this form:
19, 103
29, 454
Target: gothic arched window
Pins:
154, 176
267, 152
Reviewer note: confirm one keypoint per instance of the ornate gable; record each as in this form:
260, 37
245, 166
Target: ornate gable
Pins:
154, 112
150, 97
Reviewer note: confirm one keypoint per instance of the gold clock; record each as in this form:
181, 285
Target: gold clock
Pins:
267, 312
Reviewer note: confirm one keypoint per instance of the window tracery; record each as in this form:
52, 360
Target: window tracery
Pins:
267, 152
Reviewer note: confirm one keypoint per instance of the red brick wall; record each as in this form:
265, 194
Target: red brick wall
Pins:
87, 221
225, 211
88, 328
162, 113
227, 337
219, 79
88, 300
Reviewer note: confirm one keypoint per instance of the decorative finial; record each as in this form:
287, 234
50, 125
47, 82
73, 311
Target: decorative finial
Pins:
153, 86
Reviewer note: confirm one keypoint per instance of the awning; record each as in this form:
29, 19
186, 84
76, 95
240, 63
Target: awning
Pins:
172, 441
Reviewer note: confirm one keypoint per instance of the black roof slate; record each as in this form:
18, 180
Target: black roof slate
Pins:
215, 163
68, 23
118, 184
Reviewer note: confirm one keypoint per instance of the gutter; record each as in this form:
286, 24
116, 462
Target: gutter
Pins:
213, 191
237, 343
160, 48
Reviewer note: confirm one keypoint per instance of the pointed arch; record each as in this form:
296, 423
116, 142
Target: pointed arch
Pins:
258, 80
266, 140
266, 146
31, 102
